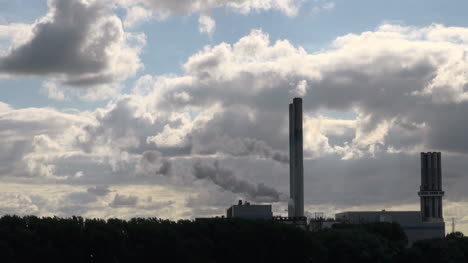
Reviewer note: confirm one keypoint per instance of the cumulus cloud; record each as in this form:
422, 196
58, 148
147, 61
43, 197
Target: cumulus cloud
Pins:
206, 25
78, 43
370, 74
152, 163
33, 137
52, 90
17, 204
136, 15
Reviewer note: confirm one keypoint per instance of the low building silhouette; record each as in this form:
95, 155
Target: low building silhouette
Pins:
248, 211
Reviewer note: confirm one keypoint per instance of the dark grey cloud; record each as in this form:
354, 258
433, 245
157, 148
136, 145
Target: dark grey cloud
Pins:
57, 43
153, 163
157, 205
80, 198
124, 128
387, 179
11, 155
222, 200
228, 132
124, 201
99, 190
234, 132
120, 126
76, 43
447, 127
228, 181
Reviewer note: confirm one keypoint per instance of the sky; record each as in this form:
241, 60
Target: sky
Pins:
179, 108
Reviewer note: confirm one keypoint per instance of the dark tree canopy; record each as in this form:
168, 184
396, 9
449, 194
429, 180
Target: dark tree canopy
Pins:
33, 239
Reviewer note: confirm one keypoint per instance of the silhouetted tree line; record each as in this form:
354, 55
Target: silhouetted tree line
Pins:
33, 239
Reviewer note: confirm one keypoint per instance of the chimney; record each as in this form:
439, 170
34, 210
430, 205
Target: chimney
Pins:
296, 167
431, 187
292, 175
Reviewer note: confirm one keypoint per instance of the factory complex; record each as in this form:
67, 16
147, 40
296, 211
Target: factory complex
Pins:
423, 224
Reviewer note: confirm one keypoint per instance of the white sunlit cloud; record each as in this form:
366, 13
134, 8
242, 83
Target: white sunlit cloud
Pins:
206, 25
143, 10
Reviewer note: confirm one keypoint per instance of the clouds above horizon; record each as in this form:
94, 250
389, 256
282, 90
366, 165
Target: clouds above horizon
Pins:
82, 44
218, 130
393, 79
78, 44
183, 7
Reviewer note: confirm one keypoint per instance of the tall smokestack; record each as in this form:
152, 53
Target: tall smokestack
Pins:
292, 174
296, 167
431, 187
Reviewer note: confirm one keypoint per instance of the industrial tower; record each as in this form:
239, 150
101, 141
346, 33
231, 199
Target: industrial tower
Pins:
431, 187
296, 167
418, 225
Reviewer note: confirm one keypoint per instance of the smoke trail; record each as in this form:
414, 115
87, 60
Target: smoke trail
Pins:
228, 181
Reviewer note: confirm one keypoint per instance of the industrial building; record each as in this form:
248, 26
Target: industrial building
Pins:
247, 211
427, 223
410, 222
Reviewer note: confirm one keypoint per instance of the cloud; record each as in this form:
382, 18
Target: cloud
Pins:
33, 137
78, 43
300, 90
329, 5
81, 198
143, 10
67, 200
124, 200
370, 74
17, 204
322, 6
205, 143
183, 7
136, 15
53, 91
240, 85
206, 25
13, 35
152, 163
99, 190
